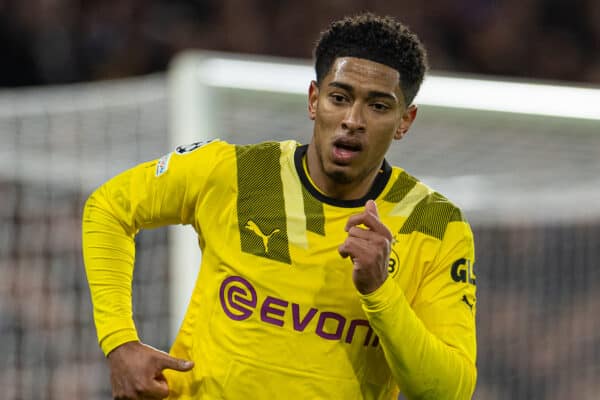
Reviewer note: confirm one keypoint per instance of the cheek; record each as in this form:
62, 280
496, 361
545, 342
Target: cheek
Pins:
383, 137
326, 119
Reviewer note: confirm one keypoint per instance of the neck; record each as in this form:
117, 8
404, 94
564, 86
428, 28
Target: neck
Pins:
336, 188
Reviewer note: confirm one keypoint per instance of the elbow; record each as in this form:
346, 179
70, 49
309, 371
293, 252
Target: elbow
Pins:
90, 206
455, 386
466, 381
98, 212
105, 210
470, 382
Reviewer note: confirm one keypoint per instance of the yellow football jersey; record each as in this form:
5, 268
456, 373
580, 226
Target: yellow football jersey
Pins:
274, 313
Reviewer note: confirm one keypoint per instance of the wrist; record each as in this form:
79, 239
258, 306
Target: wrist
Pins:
380, 297
115, 339
122, 347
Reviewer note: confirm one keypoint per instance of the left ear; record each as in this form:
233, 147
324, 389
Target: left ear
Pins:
407, 119
313, 100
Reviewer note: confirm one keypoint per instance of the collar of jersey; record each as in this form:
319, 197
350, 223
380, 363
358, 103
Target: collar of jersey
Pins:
378, 185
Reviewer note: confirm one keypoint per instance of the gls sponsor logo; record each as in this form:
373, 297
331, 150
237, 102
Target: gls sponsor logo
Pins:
462, 271
239, 301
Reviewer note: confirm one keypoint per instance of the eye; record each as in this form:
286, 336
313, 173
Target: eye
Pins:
337, 98
380, 107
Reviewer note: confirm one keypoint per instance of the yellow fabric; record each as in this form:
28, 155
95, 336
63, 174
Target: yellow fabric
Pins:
263, 329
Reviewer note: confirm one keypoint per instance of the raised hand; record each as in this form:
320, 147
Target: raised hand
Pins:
136, 371
368, 246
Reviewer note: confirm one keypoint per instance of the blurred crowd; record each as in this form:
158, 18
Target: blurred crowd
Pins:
61, 41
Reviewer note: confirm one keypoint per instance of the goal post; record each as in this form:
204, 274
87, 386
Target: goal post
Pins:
521, 159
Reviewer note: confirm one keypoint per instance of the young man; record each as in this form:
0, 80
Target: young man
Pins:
326, 273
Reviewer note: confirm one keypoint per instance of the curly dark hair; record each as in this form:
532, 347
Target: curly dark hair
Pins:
376, 38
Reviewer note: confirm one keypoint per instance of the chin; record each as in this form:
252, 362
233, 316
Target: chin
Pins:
340, 177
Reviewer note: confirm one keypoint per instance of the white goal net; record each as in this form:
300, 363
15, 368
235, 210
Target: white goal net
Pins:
56, 145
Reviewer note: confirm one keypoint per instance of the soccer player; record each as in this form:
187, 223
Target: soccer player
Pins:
326, 272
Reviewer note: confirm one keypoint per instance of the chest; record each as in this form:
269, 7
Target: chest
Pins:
292, 258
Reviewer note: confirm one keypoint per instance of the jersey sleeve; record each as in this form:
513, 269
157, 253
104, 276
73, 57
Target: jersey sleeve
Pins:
430, 344
152, 194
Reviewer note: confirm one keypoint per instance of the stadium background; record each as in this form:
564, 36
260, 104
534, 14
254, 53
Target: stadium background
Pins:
539, 335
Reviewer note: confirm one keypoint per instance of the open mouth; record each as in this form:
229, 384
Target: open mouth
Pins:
345, 149
348, 144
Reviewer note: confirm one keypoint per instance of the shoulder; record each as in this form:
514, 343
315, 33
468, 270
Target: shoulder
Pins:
435, 213
197, 160
218, 146
201, 156
218, 155
269, 149
427, 211
260, 165
202, 148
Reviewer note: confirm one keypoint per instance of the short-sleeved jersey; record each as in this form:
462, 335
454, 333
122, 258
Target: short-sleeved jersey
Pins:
274, 313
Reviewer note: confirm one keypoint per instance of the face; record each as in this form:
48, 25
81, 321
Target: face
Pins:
358, 109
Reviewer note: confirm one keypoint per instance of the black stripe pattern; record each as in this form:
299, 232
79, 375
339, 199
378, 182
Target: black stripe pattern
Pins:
313, 211
431, 216
400, 188
261, 206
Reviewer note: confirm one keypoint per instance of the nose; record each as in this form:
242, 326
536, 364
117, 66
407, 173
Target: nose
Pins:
354, 118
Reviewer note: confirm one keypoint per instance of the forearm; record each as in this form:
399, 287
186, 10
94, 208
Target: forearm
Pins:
423, 365
109, 253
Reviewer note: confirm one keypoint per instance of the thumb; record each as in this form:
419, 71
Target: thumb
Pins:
177, 364
371, 208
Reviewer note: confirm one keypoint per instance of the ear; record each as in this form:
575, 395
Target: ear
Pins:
313, 100
407, 119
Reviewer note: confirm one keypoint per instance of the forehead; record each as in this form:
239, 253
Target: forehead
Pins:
360, 72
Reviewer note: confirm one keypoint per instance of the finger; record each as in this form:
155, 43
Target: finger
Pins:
177, 364
343, 251
353, 247
358, 232
371, 239
371, 221
371, 207
365, 218
159, 389
371, 213
348, 249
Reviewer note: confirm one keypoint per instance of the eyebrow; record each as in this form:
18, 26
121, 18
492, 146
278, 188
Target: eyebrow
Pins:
370, 94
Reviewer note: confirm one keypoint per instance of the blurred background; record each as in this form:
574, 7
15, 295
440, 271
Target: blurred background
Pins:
85, 95
60, 41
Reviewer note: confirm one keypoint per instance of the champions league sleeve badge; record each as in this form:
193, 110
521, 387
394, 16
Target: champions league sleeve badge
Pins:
188, 148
